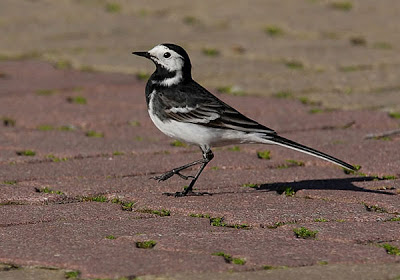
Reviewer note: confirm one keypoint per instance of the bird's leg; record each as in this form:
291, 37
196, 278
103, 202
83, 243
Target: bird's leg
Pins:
176, 171
207, 157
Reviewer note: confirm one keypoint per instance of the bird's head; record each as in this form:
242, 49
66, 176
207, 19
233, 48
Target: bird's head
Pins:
171, 61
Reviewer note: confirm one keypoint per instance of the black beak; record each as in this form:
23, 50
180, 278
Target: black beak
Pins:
144, 54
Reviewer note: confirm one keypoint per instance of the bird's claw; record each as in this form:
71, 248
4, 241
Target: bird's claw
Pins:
163, 177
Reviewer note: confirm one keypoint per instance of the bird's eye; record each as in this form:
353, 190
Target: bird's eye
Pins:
167, 55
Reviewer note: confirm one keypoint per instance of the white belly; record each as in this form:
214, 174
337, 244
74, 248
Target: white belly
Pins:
198, 134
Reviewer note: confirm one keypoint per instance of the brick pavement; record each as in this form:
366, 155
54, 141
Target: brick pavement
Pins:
82, 203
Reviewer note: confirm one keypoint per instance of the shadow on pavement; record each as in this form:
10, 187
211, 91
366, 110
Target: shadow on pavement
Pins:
345, 184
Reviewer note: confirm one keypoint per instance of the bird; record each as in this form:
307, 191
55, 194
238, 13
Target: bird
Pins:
183, 109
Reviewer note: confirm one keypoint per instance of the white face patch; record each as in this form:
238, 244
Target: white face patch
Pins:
174, 62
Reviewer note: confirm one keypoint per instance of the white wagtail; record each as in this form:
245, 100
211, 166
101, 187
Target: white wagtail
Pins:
184, 110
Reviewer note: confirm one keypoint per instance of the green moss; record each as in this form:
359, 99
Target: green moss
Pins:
94, 134
12, 203
48, 190
9, 182
228, 258
116, 200
190, 20
134, 123
394, 115
215, 168
305, 233
306, 101
177, 143
384, 138
234, 149
322, 262
291, 163
321, 220
238, 261
273, 30
249, 185
139, 138
376, 177
45, 127
219, 222
21, 56
127, 206
283, 94
358, 41
56, 159
266, 154
270, 267
210, 52
8, 267
394, 219
27, 153
295, 162
391, 250
111, 237
99, 198
113, 8
294, 64
72, 274
387, 177
87, 68
77, 100
289, 191
161, 213
67, 128
231, 90
383, 45
117, 153
374, 208
63, 65
316, 110
341, 5
348, 171
46, 92
346, 90
279, 224
8, 121
330, 35
142, 76
383, 188
123, 278
149, 244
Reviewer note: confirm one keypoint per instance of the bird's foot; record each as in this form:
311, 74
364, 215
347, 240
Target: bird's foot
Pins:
169, 174
190, 193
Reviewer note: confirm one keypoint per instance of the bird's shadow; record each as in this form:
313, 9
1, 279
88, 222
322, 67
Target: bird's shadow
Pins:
343, 184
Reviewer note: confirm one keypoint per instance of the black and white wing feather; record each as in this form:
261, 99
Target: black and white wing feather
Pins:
203, 108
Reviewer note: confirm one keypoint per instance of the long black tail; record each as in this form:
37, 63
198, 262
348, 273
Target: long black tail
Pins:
301, 148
